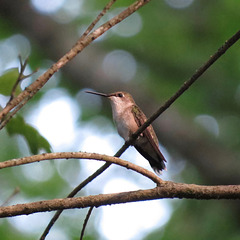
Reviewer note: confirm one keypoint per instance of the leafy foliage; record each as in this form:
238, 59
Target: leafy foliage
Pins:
7, 81
35, 141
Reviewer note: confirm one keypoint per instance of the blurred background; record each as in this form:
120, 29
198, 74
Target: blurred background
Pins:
150, 55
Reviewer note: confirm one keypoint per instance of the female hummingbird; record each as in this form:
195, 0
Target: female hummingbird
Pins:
128, 118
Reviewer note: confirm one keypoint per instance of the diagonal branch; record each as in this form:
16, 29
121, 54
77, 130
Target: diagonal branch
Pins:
100, 15
85, 222
31, 90
199, 72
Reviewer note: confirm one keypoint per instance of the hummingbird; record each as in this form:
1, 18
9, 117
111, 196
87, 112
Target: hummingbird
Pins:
128, 117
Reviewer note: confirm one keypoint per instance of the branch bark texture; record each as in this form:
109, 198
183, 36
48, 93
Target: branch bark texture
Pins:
166, 190
81, 155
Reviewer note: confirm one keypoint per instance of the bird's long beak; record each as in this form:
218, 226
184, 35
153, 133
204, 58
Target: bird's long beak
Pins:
97, 93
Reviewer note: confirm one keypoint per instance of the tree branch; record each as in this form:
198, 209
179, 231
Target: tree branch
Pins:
166, 190
32, 89
81, 155
100, 15
85, 222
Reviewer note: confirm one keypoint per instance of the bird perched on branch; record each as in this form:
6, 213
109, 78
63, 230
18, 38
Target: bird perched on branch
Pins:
128, 118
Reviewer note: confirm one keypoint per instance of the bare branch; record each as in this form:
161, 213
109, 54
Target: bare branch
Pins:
14, 193
166, 190
85, 222
21, 77
81, 155
100, 15
31, 90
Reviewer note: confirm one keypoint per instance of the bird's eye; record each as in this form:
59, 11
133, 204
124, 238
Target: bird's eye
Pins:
120, 95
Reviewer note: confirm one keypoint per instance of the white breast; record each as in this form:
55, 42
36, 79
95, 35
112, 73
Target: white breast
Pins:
124, 121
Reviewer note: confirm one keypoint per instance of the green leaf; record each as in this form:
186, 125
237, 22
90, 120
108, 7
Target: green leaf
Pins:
35, 140
7, 81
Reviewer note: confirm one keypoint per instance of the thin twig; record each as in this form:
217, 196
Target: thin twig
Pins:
14, 193
100, 15
21, 77
85, 222
42, 80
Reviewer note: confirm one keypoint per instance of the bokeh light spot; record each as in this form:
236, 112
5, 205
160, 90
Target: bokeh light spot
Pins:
38, 173
130, 27
56, 119
11, 48
69, 11
179, 3
119, 64
151, 213
47, 6
209, 123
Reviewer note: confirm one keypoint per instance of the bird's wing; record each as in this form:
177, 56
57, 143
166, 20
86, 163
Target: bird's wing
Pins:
149, 133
